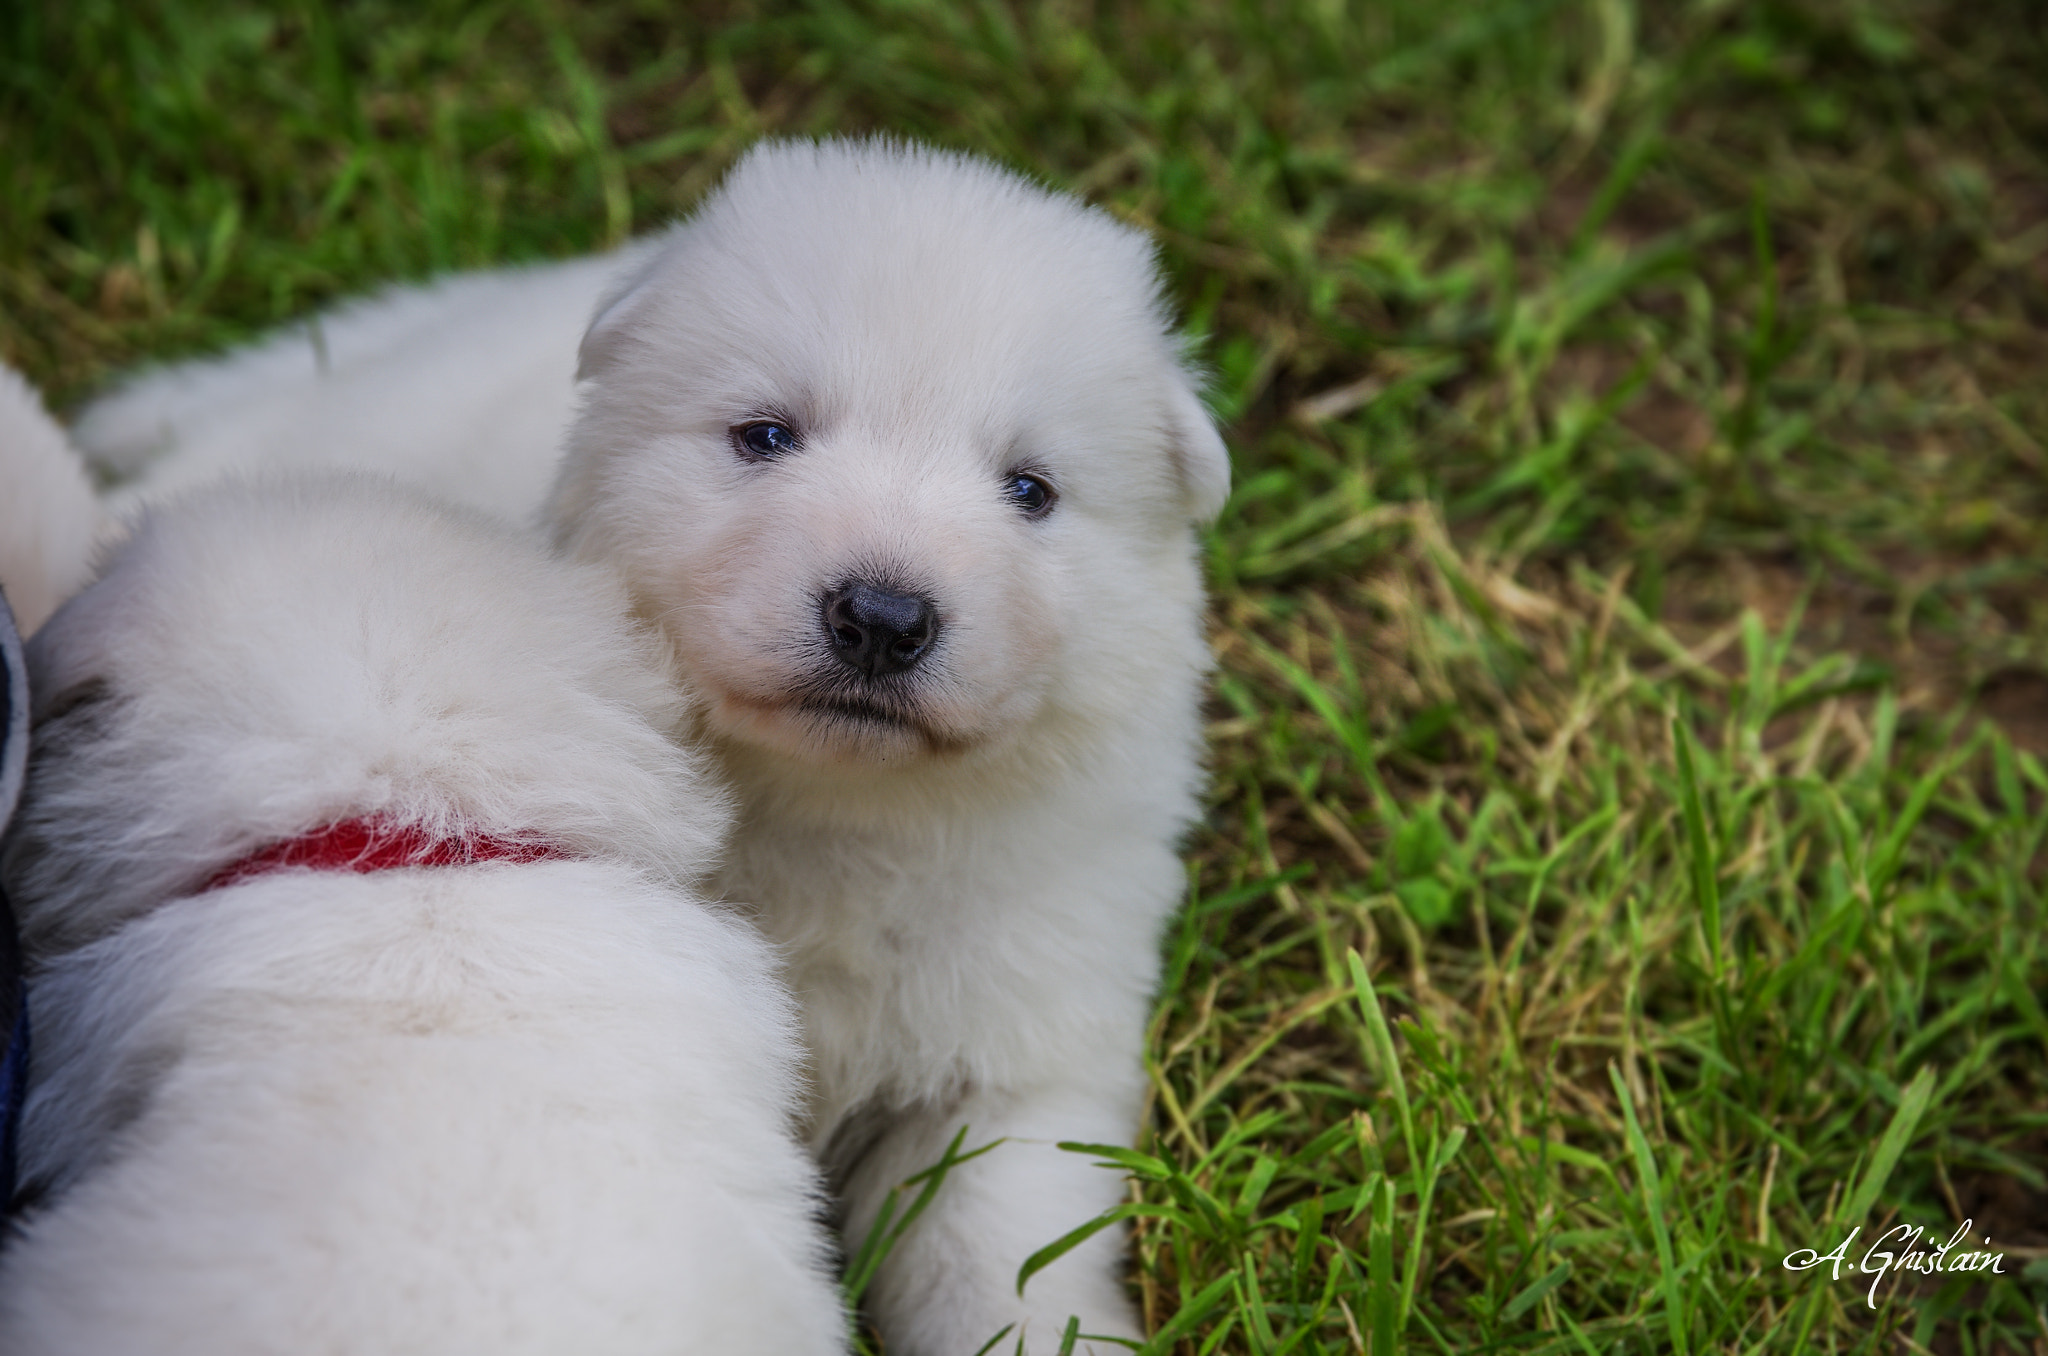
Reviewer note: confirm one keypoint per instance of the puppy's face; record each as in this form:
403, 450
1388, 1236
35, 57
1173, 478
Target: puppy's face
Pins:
897, 450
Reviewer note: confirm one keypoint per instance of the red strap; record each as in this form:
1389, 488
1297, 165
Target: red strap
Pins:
374, 844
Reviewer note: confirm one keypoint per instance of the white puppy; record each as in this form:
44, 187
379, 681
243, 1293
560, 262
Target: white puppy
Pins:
534, 1104
898, 450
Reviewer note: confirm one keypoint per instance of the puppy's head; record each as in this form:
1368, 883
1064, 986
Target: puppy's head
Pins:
899, 451
257, 661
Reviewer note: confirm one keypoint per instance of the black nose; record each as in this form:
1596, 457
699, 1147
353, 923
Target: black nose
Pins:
877, 630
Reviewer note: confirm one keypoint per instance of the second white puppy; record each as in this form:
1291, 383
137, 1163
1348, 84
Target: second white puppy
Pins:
523, 1092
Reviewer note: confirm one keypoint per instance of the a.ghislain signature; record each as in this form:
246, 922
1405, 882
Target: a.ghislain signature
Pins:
1907, 1255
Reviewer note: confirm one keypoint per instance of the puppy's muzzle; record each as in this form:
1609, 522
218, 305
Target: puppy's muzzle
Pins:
877, 630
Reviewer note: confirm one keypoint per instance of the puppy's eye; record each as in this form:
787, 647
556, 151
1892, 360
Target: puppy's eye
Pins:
1031, 494
764, 440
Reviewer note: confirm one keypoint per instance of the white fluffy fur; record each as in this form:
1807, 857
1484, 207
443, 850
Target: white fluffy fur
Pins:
971, 893
498, 1108
48, 514
394, 384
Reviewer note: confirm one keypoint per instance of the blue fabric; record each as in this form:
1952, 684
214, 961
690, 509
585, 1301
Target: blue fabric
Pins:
13, 1004
13, 1091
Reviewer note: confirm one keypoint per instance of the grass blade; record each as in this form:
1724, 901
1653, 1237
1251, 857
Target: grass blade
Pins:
1706, 883
1653, 1210
1897, 1135
1533, 1294
1383, 1299
1383, 1051
888, 1227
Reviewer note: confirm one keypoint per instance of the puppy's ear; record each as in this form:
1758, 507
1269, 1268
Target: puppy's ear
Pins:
1199, 457
618, 314
49, 514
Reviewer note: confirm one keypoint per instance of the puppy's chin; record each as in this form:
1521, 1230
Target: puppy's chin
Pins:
833, 730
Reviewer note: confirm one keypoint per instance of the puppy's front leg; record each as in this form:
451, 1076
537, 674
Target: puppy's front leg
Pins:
951, 1281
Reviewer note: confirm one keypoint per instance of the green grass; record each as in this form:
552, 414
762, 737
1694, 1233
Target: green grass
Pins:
1630, 830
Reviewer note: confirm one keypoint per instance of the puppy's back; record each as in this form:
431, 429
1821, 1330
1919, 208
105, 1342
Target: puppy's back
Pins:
264, 658
504, 1107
